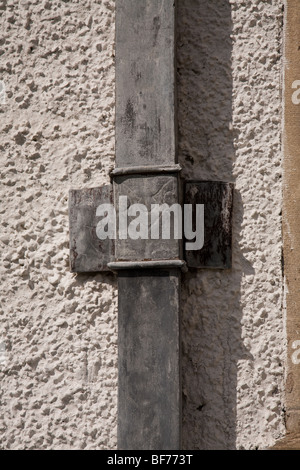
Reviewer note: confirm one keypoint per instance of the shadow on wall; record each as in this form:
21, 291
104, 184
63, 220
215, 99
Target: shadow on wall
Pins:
211, 310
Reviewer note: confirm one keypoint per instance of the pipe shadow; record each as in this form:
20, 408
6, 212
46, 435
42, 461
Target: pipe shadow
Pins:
211, 305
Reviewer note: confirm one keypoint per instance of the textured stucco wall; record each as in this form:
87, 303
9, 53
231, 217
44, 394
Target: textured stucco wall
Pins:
59, 380
58, 331
229, 57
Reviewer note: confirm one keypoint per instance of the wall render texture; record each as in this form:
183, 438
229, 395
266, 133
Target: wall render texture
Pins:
229, 57
59, 380
58, 331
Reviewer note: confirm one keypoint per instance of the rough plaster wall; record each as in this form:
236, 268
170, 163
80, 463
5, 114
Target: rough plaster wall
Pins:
229, 79
58, 371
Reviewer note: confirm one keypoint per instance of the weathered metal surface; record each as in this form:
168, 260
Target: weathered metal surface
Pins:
164, 264
145, 83
141, 170
148, 190
217, 198
149, 403
87, 252
149, 334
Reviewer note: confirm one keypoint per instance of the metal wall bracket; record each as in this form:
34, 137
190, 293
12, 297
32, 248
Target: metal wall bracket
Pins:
87, 252
149, 268
217, 198
90, 254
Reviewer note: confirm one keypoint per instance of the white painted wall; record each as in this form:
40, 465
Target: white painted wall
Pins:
59, 383
58, 331
230, 65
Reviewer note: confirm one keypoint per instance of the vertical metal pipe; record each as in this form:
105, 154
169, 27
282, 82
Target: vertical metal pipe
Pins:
149, 404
